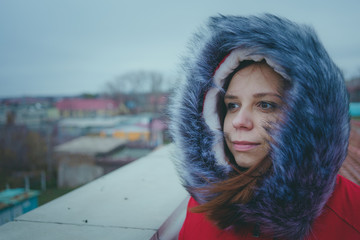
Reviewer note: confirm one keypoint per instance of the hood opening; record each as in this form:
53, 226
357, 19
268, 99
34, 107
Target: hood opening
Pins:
223, 70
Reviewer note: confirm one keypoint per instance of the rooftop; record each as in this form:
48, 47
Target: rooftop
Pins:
86, 104
90, 145
92, 122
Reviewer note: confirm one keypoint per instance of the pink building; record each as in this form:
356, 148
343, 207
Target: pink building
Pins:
78, 107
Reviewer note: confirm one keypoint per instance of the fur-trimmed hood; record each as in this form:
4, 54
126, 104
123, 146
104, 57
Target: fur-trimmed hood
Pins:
307, 149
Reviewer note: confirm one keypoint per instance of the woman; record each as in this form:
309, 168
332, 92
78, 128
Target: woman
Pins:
261, 126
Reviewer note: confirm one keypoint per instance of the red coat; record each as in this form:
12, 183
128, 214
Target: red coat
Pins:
340, 219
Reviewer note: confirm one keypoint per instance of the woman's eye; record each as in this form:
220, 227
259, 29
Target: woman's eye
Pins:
267, 105
231, 106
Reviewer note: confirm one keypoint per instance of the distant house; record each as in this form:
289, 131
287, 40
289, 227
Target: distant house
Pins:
78, 107
129, 153
34, 113
147, 128
128, 133
70, 128
158, 101
77, 159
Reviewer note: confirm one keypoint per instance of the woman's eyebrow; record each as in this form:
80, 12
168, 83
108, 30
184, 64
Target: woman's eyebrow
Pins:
256, 95
260, 95
230, 96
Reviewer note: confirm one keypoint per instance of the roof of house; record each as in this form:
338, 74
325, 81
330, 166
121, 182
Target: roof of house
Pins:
93, 122
86, 104
90, 145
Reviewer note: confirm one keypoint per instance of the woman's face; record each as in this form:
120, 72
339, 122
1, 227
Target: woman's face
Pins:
253, 100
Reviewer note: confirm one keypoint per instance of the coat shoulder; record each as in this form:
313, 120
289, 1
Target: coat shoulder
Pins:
340, 218
197, 226
345, 202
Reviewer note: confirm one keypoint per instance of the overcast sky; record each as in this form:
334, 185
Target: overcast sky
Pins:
56, 47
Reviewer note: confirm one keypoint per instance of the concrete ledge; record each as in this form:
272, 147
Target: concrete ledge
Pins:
132, 202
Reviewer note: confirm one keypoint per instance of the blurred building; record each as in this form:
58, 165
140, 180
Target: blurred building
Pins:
80, 107
70, 128
34, 113
129, 153
147, 128
77, 159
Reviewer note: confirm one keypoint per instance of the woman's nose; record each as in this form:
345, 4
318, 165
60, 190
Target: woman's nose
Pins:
243, 119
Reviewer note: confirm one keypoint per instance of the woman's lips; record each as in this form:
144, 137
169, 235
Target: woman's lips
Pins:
243, 146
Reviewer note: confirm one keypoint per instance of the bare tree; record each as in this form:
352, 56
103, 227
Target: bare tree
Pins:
138, 90
136, 82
